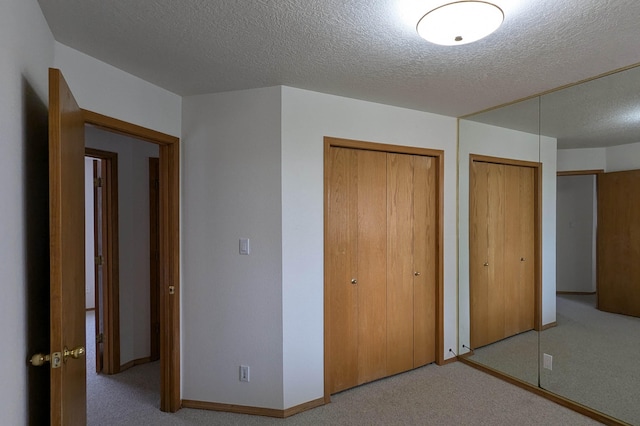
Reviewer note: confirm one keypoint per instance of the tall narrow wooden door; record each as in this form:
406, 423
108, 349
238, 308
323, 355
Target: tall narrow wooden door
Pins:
66, 203
356, 267
400, 264
425, 253
502, 251
618, 247
478, 254
411, 250
524, 318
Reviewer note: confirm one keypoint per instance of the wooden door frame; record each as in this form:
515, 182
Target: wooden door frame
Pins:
169, 250
438, 156
111, 285
537, 170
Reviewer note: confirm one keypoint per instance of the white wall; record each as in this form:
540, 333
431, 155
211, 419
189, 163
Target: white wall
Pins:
623, 157
576, 226
548, 158
306, 118
133, 236
89, 240
100, 87
483, 139
26, 50
255, 169
582, 159
232, 303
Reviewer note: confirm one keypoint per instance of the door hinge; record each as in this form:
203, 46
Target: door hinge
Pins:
99, 261
100, 338
97, 182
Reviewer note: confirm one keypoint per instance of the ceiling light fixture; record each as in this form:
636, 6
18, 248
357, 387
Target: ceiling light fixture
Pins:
460, 22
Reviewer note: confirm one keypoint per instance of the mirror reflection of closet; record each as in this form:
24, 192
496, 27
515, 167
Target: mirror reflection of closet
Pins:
594, 347
502, 190
587, 138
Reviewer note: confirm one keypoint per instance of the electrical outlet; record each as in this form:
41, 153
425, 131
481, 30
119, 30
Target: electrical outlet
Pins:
244, 373
547, 362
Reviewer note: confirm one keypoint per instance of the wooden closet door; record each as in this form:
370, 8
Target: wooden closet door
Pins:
527, 295
618, 247
478, 253
381, 264
502, 290
341, 268
425, 255
400, 263
371, 265
412, 254
356, 267
496, 251
512, 237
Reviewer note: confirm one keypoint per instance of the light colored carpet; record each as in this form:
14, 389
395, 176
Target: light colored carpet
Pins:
454, 394
596, 357
516, 356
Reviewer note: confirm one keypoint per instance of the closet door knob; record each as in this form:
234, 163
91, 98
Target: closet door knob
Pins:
354, 281
522, 259
417, 274
486, 263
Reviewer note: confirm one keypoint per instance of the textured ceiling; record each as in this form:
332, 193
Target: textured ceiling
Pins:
358, 48
597, 113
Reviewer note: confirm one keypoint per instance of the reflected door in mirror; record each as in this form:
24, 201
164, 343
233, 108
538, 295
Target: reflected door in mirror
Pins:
619, 242
502, 250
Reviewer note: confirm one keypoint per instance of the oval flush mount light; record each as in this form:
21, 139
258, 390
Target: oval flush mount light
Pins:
460, 22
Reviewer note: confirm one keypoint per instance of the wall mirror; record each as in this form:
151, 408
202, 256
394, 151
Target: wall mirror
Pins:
592, 353
501, 190
585, 140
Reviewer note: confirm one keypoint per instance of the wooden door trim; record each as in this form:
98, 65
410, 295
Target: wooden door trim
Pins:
438, 155
537, 167
169, 250
580, 172
111, 268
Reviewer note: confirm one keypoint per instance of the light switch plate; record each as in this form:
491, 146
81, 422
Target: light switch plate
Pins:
244, 246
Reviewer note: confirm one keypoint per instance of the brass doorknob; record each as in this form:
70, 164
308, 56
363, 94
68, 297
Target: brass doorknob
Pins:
354, 281
522, 259
39, 360
74, 353
417, 274
486, 263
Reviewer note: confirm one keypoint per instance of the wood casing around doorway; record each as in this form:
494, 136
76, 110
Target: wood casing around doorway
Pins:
169, 249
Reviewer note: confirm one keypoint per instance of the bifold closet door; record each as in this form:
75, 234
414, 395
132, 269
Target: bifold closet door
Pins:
502, 251
478, 254
523, 318
618, 248
410, 262
425, 255
356, 267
